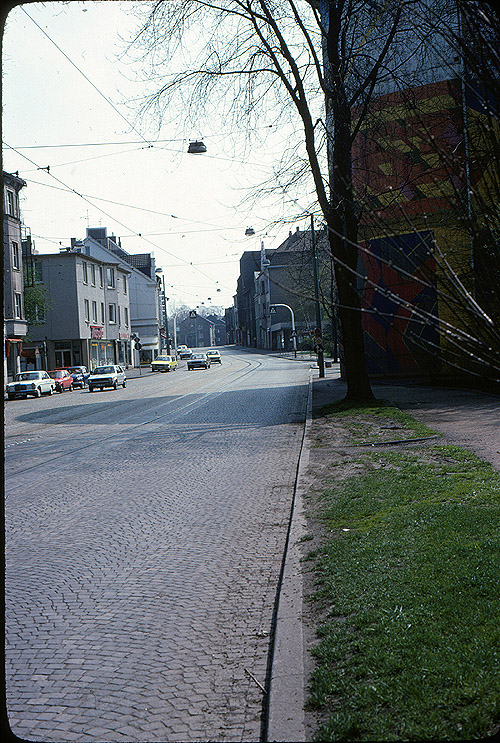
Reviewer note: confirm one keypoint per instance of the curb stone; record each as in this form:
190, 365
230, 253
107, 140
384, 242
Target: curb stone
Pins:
286, 718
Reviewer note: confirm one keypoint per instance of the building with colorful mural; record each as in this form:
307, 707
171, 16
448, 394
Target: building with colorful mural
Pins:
426, 179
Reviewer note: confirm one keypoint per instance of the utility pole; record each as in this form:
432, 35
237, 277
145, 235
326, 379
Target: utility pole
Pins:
319, 341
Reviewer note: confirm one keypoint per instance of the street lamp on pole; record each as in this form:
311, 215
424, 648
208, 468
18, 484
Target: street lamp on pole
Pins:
272, 310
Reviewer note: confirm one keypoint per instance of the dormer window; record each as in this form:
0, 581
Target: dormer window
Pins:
11, 203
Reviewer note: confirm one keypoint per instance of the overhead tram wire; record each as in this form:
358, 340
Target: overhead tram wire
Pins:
99, 157
110, 216
87, 78
127, 206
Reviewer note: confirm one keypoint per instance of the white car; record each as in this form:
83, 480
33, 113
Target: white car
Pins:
110, 375
183, 352
33, 383
214, 356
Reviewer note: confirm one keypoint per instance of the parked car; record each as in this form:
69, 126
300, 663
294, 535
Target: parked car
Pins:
198, 361
164, 363
80, 375
110, 375
33, 383
214, 356
183, 352
63, 379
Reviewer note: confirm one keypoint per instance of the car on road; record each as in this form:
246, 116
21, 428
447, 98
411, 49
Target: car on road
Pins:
27, 383
110, 375
183, 352
62, 379
198, 361
214, 356
79, 374
164, 363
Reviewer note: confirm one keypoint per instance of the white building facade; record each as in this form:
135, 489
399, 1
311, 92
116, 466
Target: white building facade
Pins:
86, 314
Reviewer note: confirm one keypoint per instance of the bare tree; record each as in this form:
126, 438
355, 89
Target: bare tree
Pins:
332, 59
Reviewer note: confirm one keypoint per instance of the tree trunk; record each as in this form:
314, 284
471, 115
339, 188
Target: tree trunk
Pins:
342, 221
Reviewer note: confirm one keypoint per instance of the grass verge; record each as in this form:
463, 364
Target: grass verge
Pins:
408, 584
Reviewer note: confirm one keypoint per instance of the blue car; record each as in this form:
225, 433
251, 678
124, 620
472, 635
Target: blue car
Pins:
80, 375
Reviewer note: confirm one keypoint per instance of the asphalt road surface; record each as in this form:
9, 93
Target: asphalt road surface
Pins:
145, 530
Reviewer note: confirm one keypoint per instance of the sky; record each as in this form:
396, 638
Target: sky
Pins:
70, 129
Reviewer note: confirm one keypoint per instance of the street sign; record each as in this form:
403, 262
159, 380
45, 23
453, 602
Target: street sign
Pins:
272, 309
192, 313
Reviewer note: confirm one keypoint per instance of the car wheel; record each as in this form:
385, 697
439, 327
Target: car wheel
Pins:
115, 385
11, 397
37, 392
124, 383
91, 389
51, 390
71, 388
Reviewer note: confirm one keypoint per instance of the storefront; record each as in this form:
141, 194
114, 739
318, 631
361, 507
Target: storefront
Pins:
123, 350
102, 351
13, 351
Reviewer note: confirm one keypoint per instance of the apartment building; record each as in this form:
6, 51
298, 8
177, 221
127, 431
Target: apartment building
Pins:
86, 316
15, 325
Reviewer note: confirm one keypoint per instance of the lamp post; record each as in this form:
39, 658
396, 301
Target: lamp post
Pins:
272, 309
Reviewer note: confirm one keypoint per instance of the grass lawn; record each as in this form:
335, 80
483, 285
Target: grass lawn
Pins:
407, 569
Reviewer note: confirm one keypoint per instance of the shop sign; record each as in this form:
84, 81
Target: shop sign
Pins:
96, 331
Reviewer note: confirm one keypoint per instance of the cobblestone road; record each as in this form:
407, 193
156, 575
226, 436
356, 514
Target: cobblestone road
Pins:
144, 536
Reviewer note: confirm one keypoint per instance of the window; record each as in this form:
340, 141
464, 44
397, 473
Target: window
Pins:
101, 277
112, 313
11, 208
85, 273
124, 284
39, 314
92, 274
15, 256
119, 316
103, 317
126, 317
94, 311
17, 305
110, 275
86, 308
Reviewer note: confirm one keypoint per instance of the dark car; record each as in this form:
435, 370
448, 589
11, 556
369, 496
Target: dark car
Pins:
63, 379
80, 375
198, 361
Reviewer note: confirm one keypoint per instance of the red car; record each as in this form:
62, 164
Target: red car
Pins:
63, 379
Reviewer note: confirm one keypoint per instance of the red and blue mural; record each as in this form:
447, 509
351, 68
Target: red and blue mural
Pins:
398, 337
